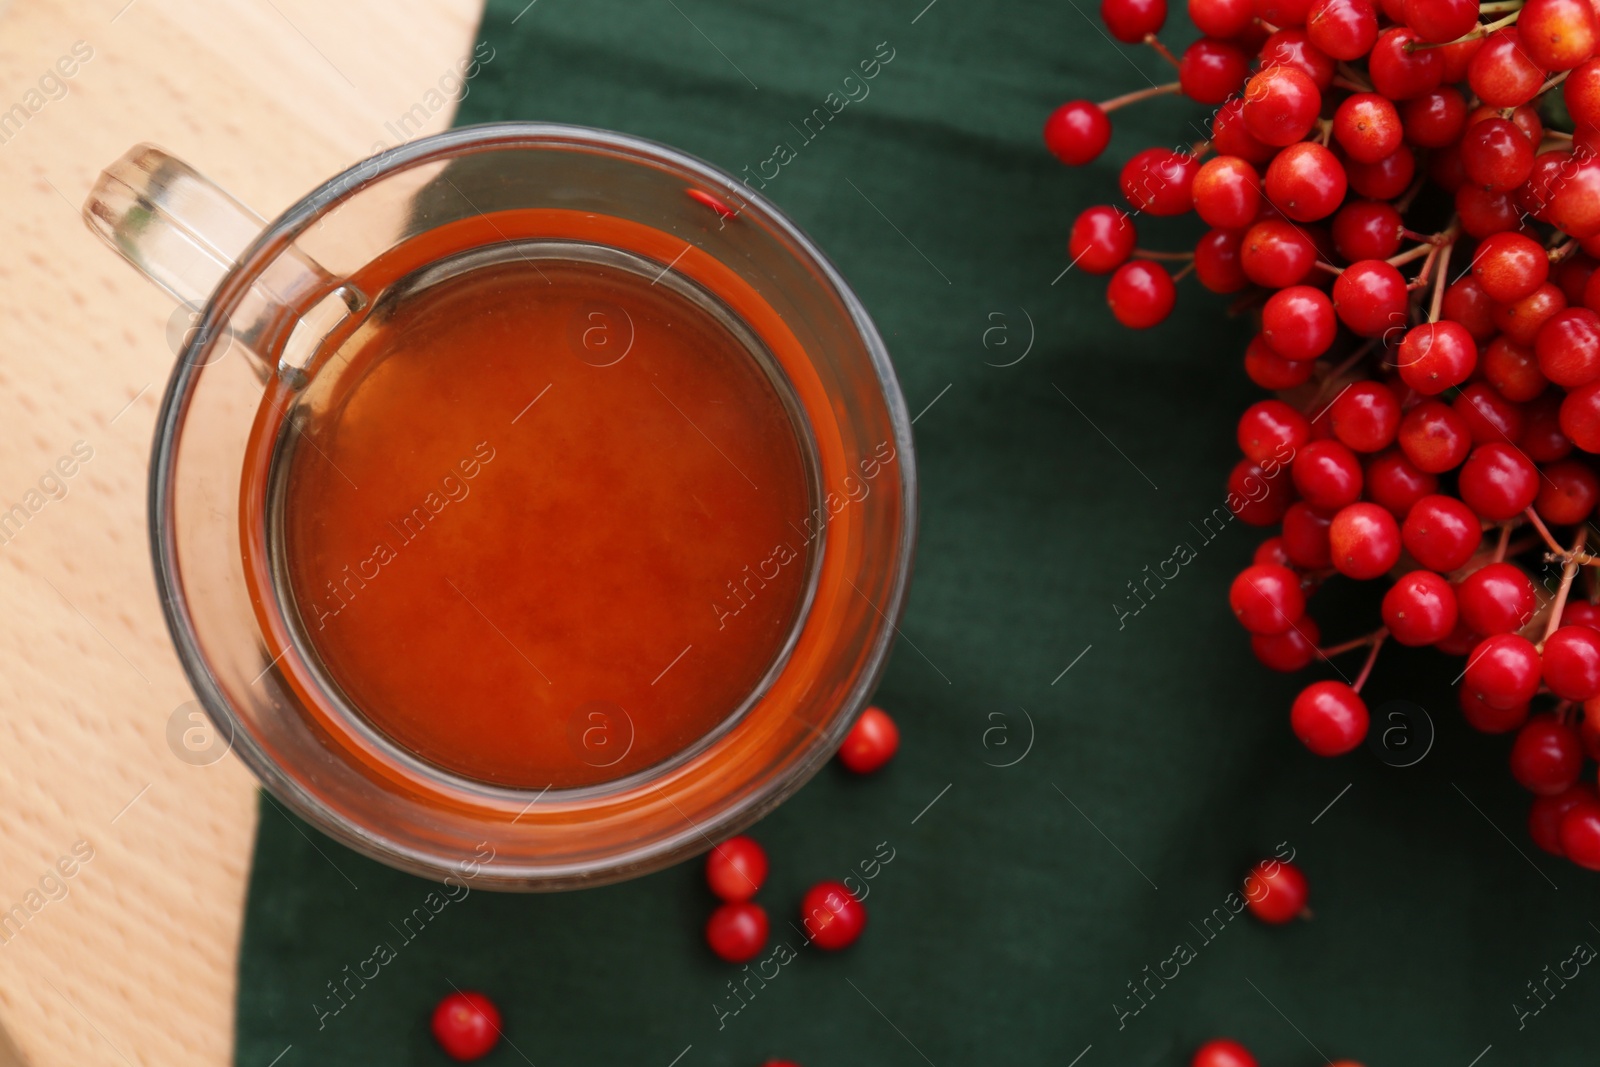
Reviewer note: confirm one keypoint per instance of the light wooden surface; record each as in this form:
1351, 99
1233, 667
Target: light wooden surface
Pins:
136, 963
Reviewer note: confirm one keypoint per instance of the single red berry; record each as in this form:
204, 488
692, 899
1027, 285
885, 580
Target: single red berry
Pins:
1280, 105
1276, 891
1543, 439
1568, 347
1221, 18
1436, 355
1212, 70
1306, 182
1216, 261
1441, 533
1581, 93
1503, 670
1572, 663
1077, 132
1327, 474
1488, 416
1367, 229
1513, 369
1396, 485
1365, 416
1483, 212
1131, 20
1580, 835
1521, 321
466, 1025
1401, 70
871, 742
1496, 155
1267, 599
1271, 371
1370, 297
1365, 541
1558, 34
1581, 613
1159, 181
1271, 428
1102, 239
1329, 718
1277, 254
1344, 29
1141, 294
1271, 551
1497, 598
1484, 716
1580, 416
1436, 118
1222, 1053
1230, 136
1434, 437
1227, 193
1502, 73
1253, 496
833, 917
1498, 482
1567, 493
1466, 302
1420, 609
737, 931
1386, 179
1509, 266
1299, 322
1546, 757
1291, 650
1575, 199
1438, 21
1544, 817
736, 868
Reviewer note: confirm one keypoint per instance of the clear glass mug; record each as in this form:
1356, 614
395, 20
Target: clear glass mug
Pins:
272, 293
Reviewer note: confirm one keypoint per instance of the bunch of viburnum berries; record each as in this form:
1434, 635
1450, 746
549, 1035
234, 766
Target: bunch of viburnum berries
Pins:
1388, 190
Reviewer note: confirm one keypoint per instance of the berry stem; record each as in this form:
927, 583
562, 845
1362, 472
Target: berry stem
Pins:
1499, 7
1167, 89
1145, 253
1476, 35
1184, 273
1563, 250
1372, 658
1354, 75
1440, 278
1553, 82
1411, 254
1329, 267
1505, 541
1569, 570
1354, 643
1161, 50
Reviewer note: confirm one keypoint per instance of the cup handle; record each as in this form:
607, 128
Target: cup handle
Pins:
185, 233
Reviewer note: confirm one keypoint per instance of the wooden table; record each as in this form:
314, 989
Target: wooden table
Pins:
131, 958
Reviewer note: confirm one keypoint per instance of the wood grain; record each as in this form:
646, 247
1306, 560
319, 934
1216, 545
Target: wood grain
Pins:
131, 959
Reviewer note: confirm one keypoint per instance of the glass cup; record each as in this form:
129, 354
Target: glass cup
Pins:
269, 297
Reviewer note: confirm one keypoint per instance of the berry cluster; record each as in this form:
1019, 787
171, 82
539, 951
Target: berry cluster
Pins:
1430, 429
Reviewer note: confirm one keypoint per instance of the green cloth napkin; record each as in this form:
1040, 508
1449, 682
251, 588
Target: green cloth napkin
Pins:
1150, 758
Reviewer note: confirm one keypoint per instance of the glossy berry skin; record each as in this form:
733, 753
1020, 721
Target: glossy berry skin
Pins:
1216, 262
1558, 34
1546, 757
1299, 322
1277, 254
1485, 717
1255, 498
1102, 239
1370, 298
1504, 671
1399, 70
1306, 181
1364, 540
1271, 371
1227, 192
1512, 370
1395, 484
1327, 474
1212, 70
1572, 663
1497, 598
1269, 429
1130, 20
1385, 179
1276, 892
1280, 105
1077, 132
466, 1025
1434, 437
1329, 718
1222, 1053
1439, 21
1575, 201
1291, 650
1435, 119
1497, 481
1367, 229
871, 742
1365, 416
1544, 817
1466, 302
1420, 609
1266, 599
1496, 156
1580, 416
1489, 417
1567, 347
1436, 355
1221, 18
1509, 266
1501, 73
1581, 613
1160, 182
1230, 137
1580, 835
1305, 536
1141, 294
833, 918
1342, 29
1441, 533
737, 931
1568, 493
736, 868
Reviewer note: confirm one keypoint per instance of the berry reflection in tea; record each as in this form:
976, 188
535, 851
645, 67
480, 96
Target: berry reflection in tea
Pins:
541, 521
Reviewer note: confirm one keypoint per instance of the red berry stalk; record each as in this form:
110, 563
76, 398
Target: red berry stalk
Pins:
1420, 253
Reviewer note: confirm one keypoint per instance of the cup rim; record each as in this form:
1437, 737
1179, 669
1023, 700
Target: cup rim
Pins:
277, 235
